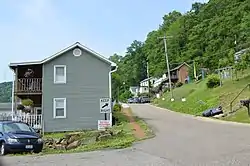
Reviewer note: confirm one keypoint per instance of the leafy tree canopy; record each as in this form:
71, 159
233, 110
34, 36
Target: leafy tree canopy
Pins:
210, 33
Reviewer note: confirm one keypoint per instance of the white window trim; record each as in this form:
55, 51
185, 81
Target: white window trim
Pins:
65, 75
54, 108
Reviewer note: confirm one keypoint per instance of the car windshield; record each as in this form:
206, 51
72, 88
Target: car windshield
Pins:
16, 127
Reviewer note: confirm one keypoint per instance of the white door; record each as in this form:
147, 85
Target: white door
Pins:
38, 110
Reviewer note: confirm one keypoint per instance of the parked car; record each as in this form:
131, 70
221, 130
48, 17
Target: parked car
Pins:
212, 112
19, 137
144, 99
137, 100
131, 100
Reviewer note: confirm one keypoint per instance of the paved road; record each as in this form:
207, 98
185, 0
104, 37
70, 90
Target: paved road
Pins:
180, 140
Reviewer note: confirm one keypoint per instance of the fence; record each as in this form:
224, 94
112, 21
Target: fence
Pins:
5, 116
34, 121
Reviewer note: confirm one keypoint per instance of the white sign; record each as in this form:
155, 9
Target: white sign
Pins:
105, 105
103, 124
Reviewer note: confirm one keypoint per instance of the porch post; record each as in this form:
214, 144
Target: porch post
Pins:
13, 96
15, 90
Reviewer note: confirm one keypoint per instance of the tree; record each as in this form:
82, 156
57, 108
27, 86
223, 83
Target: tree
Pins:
206, 34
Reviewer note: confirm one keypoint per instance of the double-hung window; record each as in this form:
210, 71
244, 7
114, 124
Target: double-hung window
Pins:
60, 74
59, 107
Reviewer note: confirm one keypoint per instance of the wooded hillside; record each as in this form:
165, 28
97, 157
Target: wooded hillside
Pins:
209, 34
5, 92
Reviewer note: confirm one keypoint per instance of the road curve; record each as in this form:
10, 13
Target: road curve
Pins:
180, 140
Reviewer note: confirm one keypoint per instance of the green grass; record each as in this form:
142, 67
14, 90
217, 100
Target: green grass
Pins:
147, 129
144, 126
240, 116
123, 140
199, 97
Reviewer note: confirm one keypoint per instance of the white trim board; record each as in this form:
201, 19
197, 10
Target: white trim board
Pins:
54, 108
65, 74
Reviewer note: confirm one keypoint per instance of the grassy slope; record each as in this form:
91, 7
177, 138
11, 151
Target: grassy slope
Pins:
199, 98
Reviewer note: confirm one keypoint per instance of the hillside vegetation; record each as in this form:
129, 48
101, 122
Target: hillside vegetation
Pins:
5, 92
199, 97
209, 34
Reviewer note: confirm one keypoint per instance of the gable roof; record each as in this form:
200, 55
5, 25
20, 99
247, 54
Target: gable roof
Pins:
146, 79
242, 51
77, 44
178, 67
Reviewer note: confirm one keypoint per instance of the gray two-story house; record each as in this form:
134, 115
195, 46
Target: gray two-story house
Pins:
65, 88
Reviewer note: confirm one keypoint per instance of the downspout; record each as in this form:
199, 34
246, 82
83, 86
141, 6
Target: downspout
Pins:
110, 91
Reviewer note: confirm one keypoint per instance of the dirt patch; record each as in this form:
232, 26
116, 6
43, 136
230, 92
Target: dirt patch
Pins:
138, 131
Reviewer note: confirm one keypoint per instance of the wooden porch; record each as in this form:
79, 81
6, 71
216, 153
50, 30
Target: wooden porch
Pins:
28, 80
29, 85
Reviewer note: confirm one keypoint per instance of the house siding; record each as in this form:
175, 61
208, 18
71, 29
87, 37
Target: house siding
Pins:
182, 73
87, 81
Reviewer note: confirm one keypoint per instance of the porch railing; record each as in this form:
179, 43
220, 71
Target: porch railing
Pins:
29, 85
34, 121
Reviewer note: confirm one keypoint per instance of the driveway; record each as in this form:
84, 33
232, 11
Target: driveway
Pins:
181, 140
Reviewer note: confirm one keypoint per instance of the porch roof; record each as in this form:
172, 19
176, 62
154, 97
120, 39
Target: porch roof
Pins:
5, 106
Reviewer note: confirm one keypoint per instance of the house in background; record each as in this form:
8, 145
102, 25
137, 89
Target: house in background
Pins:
158, 82
144, 84
134, 90
178, 74
66, 87
237, 55
5, 111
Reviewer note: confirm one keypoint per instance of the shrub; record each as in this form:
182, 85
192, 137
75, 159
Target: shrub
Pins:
166, 90
27, 102
213, 81
118, 115
179, 84
117, 108
119, 118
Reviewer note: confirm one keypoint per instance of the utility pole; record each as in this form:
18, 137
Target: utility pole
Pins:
169, 77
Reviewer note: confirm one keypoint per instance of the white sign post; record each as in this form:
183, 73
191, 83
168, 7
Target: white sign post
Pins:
105, 105
103, 124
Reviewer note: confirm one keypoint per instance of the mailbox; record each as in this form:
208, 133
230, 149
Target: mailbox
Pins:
246, 103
